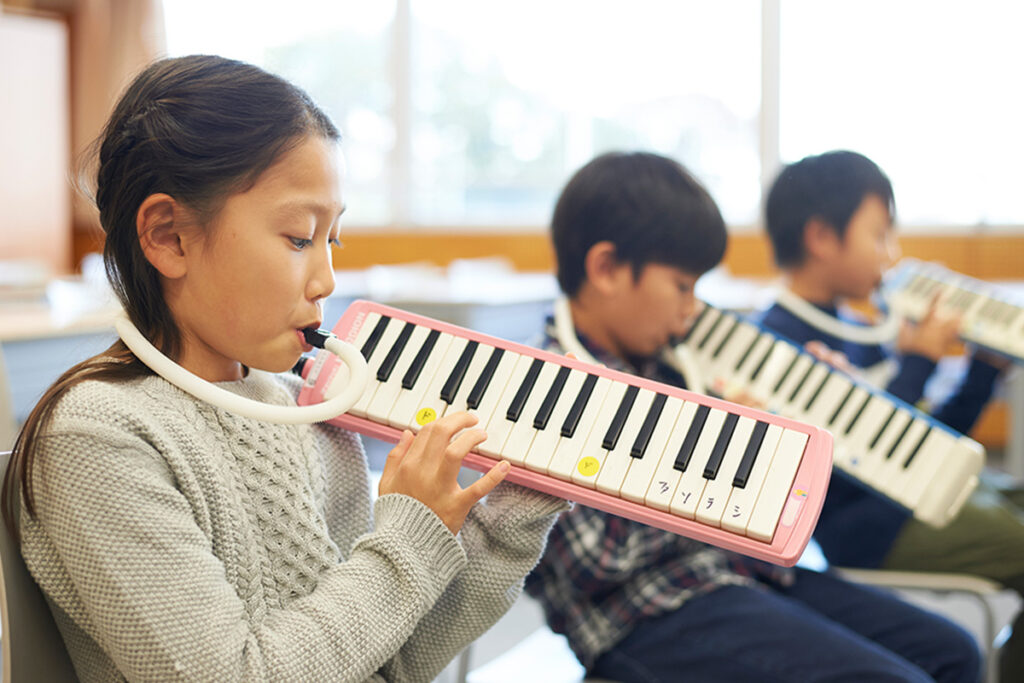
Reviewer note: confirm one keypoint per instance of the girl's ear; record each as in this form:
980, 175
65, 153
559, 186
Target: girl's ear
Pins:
160, 222
603, 269
821, 242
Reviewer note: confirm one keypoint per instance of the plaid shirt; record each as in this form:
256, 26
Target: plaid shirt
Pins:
601, 574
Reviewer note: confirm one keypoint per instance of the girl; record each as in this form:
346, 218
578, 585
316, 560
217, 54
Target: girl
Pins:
178, 541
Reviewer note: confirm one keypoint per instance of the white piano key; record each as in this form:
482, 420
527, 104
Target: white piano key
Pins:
835, 389
780, 397
617, 460
567, 453
546, 441
386, 395
796, 407
499, 381
431, 400
741, 379
692, 481
641, 470
778, 361
663, 484
407, 412
716, 492
875, 457
742, 500
892, 477
723, 368
776, 489
592, 456
859, 458
707, 320
341, 376
473, 372
520, 436
499, 426
387, 339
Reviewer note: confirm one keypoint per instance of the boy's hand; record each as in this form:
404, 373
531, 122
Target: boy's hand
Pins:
836, 359
426, 466
932, 336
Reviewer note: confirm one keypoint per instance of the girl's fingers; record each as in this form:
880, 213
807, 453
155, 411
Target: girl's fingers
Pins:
485, 484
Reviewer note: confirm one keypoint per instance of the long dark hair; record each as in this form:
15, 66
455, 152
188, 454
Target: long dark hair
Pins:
199, 129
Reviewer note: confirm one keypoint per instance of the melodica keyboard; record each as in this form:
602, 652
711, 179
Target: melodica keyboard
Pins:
886, 443
989, 317
738, 478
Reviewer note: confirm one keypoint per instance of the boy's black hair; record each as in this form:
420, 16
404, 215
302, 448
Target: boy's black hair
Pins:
647, 205
829, 187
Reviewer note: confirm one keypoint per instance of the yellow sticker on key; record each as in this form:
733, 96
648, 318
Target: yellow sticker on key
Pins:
588, 466
425, 415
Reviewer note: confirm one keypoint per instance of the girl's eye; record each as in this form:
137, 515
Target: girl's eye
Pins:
336, 242
300, 242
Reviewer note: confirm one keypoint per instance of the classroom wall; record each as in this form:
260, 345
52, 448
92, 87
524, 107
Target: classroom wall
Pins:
35, 220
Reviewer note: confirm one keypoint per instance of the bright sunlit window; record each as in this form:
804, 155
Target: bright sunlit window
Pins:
929, 90
475, 114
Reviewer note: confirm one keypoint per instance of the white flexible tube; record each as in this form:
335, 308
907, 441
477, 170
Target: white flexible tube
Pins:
882, 333
222, 398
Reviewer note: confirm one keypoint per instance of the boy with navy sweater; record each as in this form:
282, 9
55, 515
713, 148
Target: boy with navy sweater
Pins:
829, 218
632, 233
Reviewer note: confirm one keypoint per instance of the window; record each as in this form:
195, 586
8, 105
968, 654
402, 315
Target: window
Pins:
475, 114
929, 90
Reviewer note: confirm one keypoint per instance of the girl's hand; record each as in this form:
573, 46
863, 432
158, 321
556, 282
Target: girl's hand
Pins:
425, 466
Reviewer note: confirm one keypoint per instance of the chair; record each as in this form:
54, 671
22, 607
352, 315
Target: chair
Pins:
978, 589
8, 427
33, 649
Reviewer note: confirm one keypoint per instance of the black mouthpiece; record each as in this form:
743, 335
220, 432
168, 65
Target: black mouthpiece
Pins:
316, 338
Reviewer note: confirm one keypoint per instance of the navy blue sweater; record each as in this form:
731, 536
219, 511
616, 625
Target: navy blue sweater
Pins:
858, 525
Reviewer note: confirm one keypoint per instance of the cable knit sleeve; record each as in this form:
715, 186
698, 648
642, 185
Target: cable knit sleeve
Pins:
155, 573
504, 537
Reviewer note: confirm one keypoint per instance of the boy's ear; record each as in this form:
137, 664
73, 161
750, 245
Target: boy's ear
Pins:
820, 239
604, 270
160, 221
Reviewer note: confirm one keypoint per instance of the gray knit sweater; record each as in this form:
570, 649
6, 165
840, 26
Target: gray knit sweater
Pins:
177, 541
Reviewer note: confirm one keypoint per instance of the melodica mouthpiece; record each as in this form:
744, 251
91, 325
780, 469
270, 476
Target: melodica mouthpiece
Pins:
317, 338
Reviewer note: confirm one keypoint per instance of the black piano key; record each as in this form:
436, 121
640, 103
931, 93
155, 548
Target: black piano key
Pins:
801, 383
519, 400
817, 392
476, 394
413, 373
388, 364
643, 437
371, 342
576, 411
611, 437
896, 443
690, 441
548, 405
750, 455
789, 369
454, 381
695, 325
718, 452
842, 404
885, 425
917, 447
761, 363
856, 416
727, 337
746, 353
711, 331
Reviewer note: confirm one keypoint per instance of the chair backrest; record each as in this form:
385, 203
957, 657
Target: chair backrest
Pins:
33, 649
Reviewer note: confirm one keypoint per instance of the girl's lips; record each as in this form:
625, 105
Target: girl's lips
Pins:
306, 346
